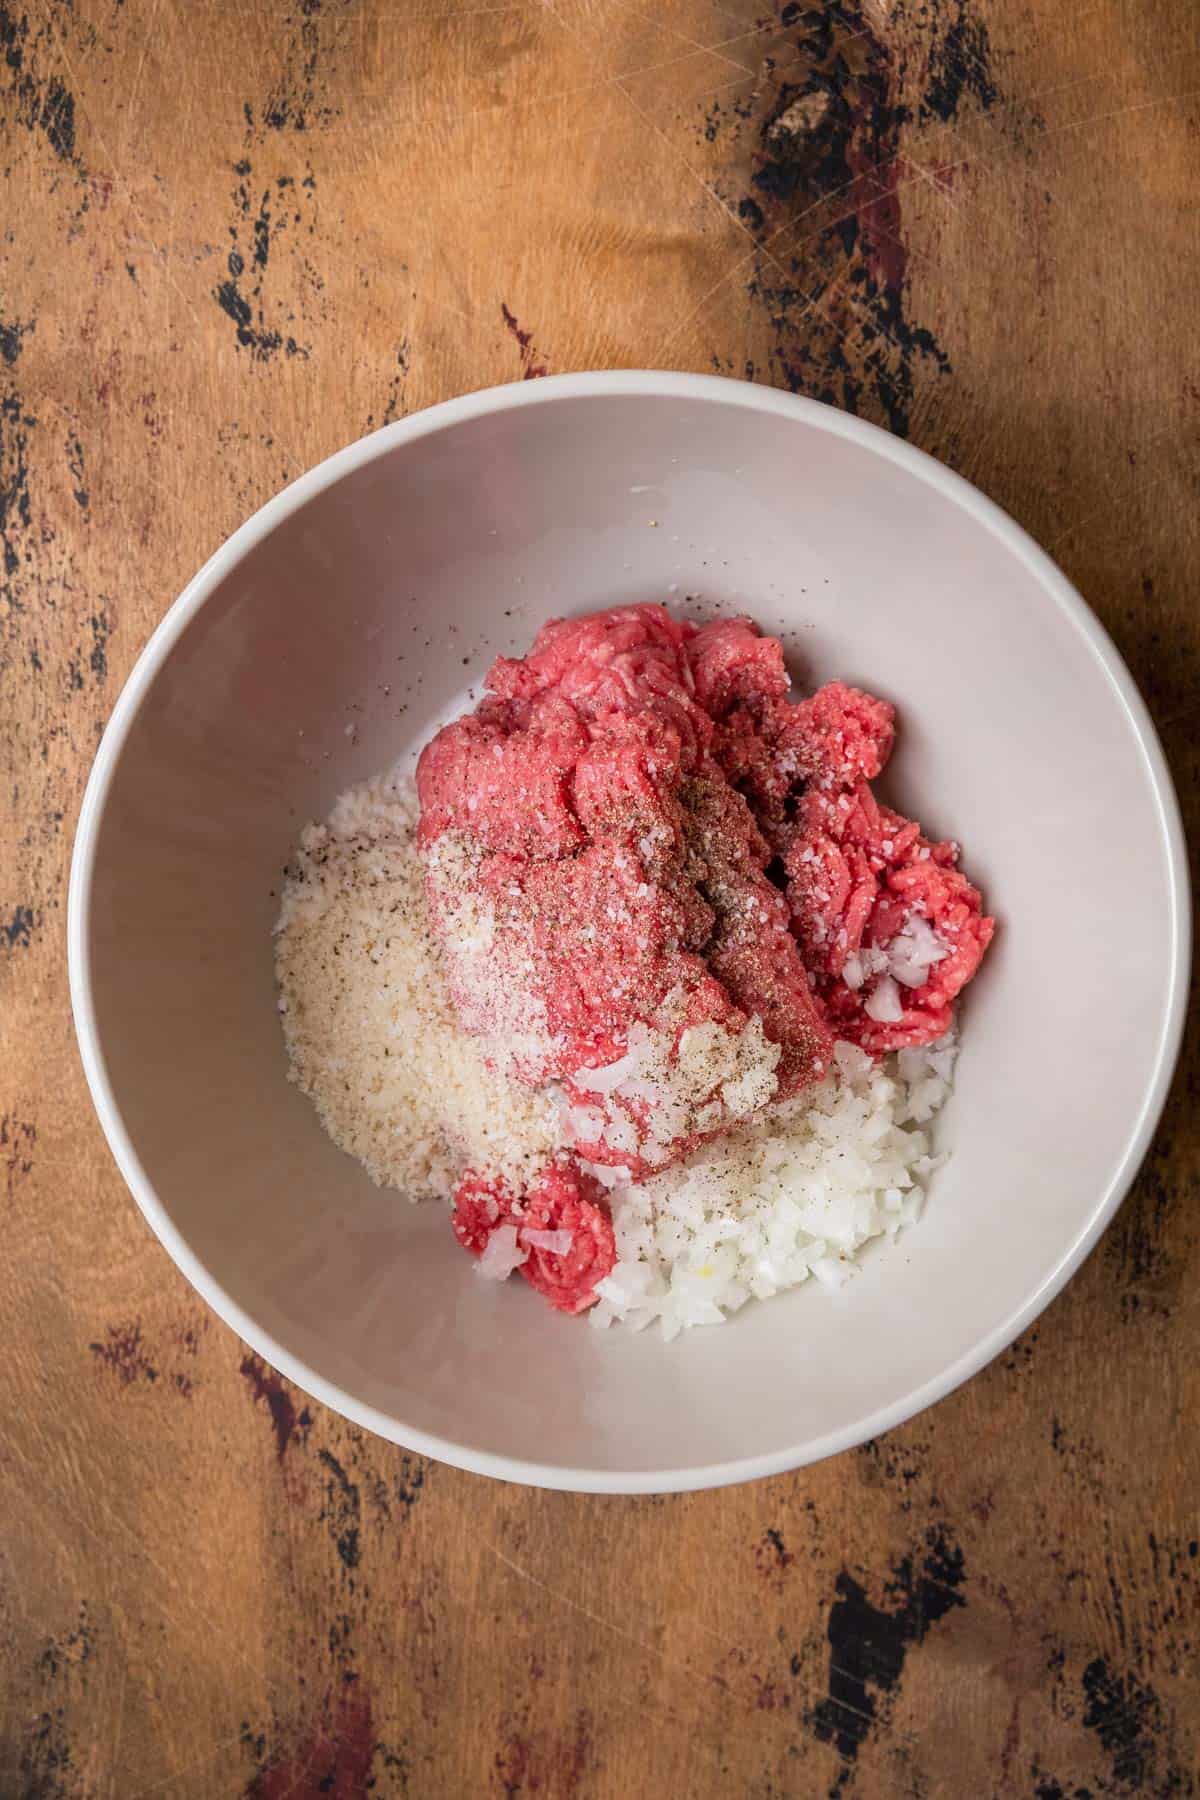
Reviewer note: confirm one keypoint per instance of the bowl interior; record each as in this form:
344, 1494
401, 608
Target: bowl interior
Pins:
372, 605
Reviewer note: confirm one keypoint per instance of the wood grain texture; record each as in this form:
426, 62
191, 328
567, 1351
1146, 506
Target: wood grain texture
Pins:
236, 236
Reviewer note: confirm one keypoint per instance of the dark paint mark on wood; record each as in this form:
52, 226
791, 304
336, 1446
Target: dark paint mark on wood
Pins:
394, 406
342, 1512
1138, 1248
531, 369
46, 1768
98, 654
1020, 1358
772, 1557
868, 1643
15, 511
266, 1385
891, 1460
78, 468
295, 103
1046, 1788
240, 296
1126, 1718
826, 197
960, 66
11, 339
91, 656
124, 1353
71, 1651
1132, 1726
733, 114
17, 1140
407, 1485
43, 103
334, 1761
58, 119
18, 930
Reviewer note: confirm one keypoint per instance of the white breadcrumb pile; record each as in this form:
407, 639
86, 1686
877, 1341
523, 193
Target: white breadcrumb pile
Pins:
372, 1037
508, 1022
376, 1043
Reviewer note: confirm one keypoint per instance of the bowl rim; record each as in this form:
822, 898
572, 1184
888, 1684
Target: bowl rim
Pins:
666, 386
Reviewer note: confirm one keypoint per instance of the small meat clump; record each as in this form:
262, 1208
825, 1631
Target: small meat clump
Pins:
559, 1234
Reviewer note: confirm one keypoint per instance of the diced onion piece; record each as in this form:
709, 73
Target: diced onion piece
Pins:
501, 1254
556, 1242
883, 1004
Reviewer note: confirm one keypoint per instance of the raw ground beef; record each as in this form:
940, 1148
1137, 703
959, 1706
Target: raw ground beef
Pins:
563, 1201
663, 883
889, 928
591, 870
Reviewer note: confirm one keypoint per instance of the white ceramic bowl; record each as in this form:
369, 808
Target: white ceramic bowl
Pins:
367, 594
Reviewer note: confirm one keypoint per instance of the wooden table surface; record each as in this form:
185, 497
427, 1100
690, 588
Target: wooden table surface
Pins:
238, 234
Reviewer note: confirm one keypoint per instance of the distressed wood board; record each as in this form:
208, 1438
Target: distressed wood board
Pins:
235, 237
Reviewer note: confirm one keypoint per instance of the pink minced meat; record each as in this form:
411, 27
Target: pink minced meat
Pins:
617, 866
564, 1201
772, 748
657, 837
857, 873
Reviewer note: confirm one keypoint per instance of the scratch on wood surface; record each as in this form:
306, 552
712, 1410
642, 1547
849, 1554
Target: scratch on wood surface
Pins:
117, 172
167, 1578
118, 1731
1122, 112
940, 188
819, 303
1106, 79
744, 263
930, 147
575, 1606
687, 1669
175, 1776
137, 78
729, 211
713, 49
929, 151
1111, 505
452, 112
255, 14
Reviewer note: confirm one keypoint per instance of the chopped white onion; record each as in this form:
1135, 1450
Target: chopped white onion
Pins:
914, 951
884, 1003
604, 1080
556, 1242
501, 1254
